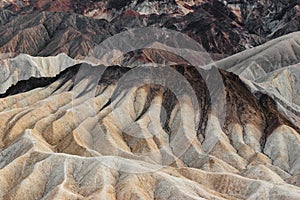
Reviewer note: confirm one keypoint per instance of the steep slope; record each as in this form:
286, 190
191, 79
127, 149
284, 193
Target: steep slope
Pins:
267, 69
223, 27
45, 34
269, 18
257, 62
283, 81
98, 134
76, 35
147, 114
24, 67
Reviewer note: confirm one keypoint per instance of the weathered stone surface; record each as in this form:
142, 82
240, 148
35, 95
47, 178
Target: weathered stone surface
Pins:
59, 141
146, 126
222, 27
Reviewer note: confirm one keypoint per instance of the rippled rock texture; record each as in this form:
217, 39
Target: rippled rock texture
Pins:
223, 28
88, 111
100, 135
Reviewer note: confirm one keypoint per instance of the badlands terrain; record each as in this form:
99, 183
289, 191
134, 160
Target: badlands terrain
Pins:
149, 99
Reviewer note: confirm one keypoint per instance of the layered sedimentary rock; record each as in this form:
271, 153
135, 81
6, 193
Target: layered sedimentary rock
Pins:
222, 27
24, 67
117, 100
46, 34
151, 132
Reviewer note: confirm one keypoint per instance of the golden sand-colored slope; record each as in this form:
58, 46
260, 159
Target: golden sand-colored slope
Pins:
69, 138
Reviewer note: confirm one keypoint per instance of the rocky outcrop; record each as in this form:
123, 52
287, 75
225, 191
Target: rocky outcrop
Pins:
271, 18
24, 67
90, 130
258, 62
222, 27
149, 116
49, 34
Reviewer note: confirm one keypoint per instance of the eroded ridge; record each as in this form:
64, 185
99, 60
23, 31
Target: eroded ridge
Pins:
56, 143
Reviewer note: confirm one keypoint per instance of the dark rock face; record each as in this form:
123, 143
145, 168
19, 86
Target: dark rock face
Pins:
222, 28
50, 5
45, 34
215, 27
33, 83
6, 16
130, 118
271, 18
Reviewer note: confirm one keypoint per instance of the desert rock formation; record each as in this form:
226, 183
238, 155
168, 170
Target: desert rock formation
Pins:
149, 124
65, 137
222, 28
